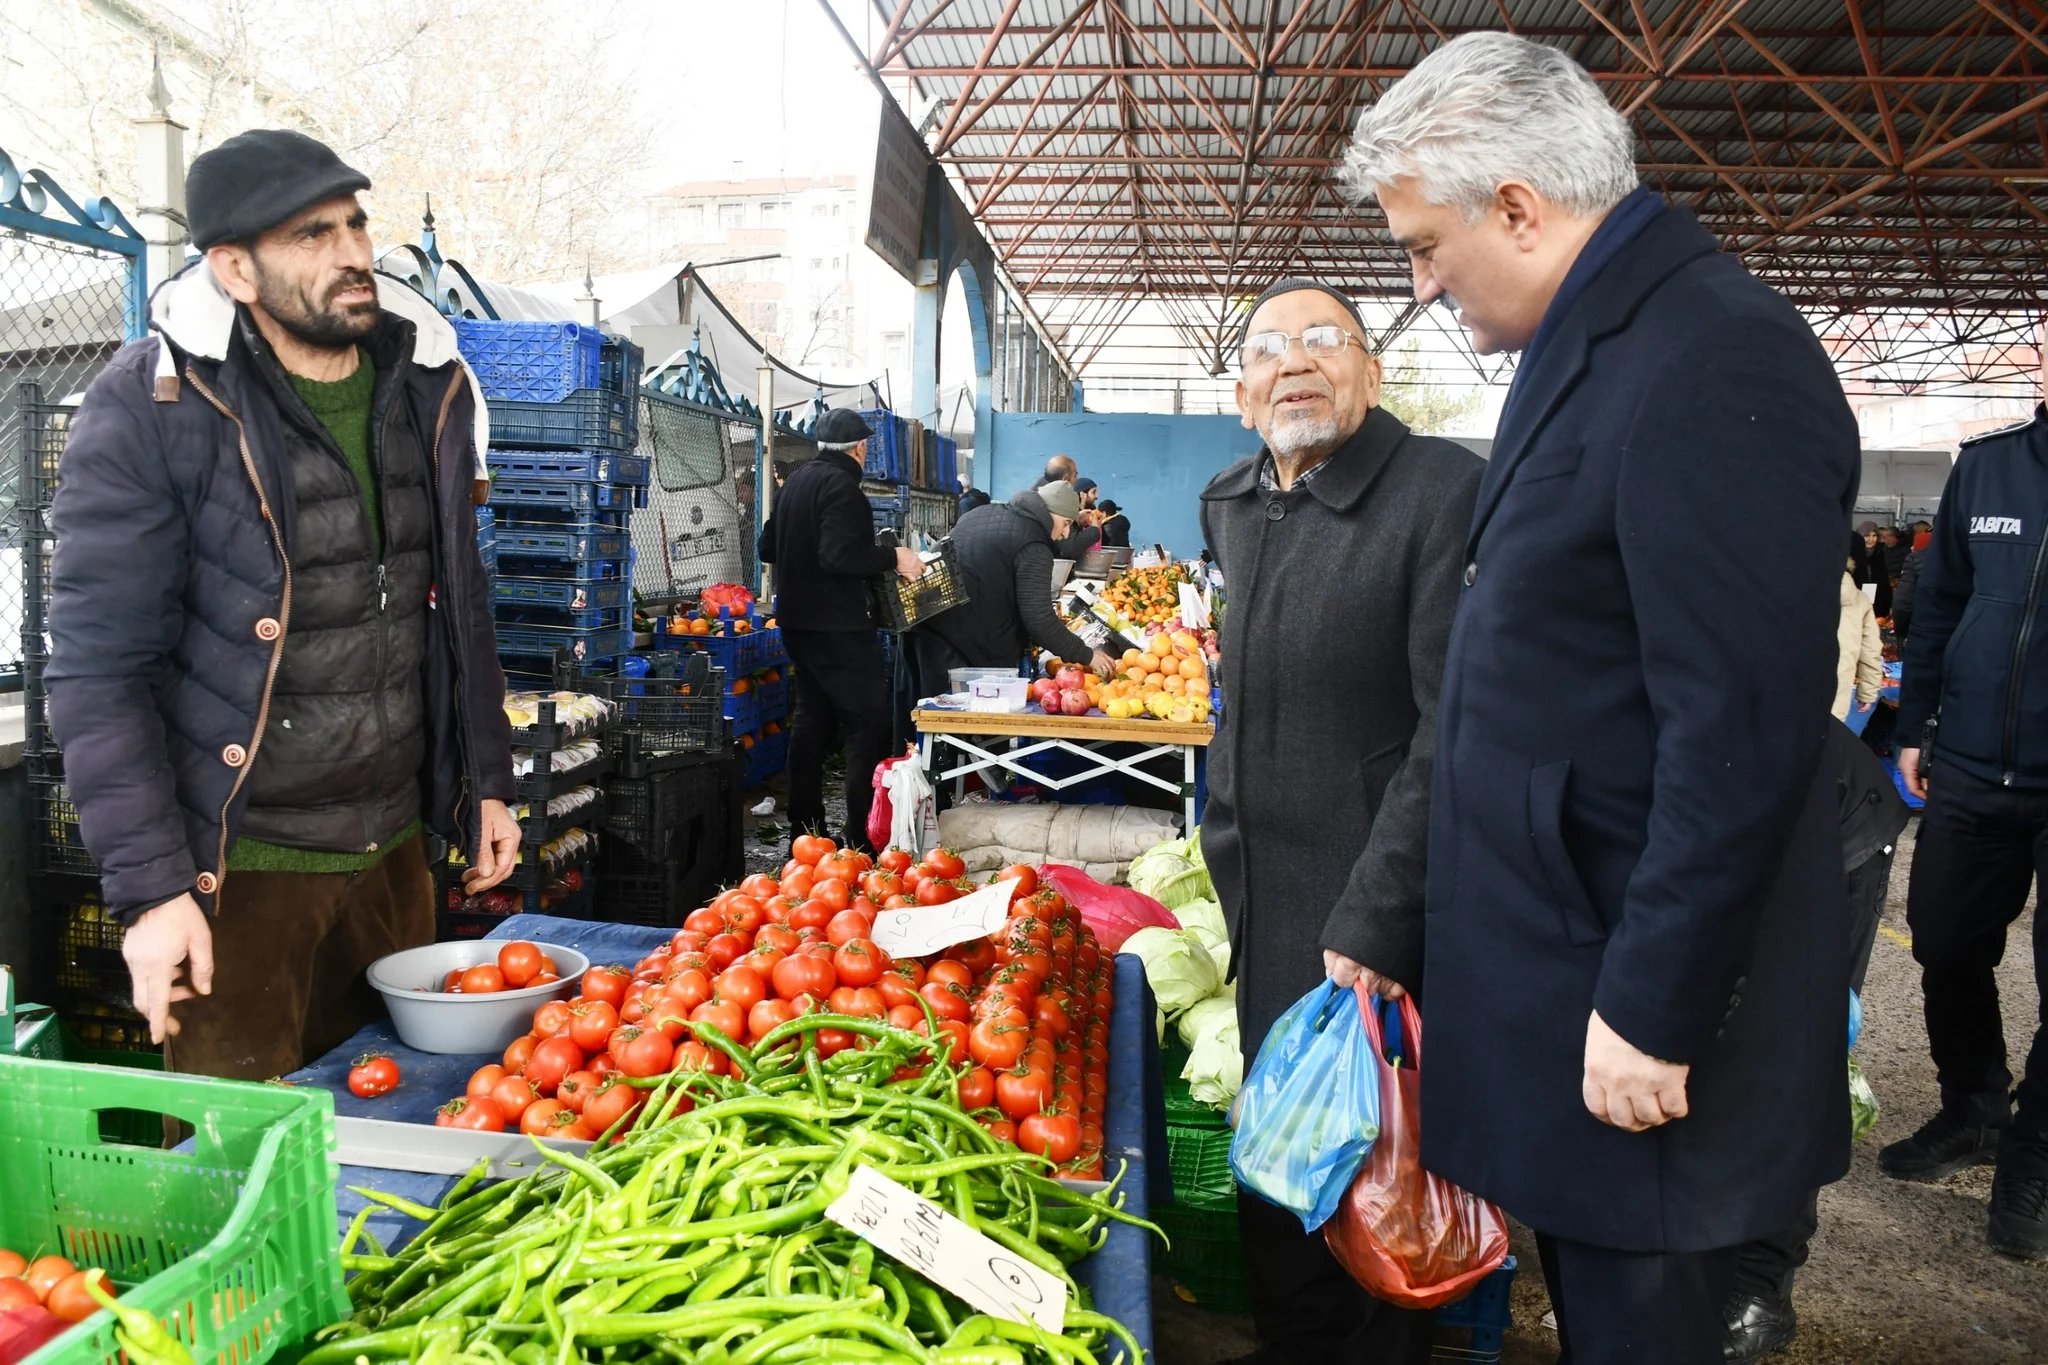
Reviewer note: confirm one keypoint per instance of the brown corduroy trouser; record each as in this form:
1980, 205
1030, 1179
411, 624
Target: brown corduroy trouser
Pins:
289, 954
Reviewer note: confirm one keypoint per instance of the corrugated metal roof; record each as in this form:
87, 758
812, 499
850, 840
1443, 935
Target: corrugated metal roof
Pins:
1186, 146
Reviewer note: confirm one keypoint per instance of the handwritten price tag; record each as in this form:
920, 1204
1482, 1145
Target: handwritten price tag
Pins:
947, 1252
925, 929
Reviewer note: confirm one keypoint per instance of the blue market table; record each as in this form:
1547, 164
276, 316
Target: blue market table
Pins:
1118, 1277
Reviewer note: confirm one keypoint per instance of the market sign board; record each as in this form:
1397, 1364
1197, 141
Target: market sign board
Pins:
896, 206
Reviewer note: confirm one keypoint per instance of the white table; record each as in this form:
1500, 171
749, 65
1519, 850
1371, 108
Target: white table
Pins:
982, 741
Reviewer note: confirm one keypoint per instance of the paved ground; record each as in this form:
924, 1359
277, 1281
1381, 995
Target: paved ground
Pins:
1899, 1273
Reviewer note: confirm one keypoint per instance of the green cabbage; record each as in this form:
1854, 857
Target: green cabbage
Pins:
1178, 966
1204, 919
1201, 1016
1215, 1067
1172, 873
1863, 1107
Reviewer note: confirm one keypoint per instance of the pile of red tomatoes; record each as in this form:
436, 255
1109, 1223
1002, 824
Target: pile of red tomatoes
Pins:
1024, 1012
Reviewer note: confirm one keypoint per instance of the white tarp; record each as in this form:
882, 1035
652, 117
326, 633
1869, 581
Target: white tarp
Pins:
660, 308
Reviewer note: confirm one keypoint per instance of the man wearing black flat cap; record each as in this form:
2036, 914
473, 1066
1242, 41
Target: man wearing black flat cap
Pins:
821, 540
272, 662
1340, 544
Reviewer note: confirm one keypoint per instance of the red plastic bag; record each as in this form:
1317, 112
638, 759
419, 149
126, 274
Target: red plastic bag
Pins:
1409, 1237
1113, 912
882, 814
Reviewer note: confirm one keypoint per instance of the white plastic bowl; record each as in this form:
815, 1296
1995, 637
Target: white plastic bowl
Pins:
432, 1020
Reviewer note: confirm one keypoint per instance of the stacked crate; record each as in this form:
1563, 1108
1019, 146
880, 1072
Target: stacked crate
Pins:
74, 943
564, 419
757, 689
672, 799
559, 803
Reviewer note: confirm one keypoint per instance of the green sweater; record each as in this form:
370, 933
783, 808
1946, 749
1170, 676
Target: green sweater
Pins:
343, 407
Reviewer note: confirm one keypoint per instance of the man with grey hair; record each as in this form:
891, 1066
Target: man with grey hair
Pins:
1636, 966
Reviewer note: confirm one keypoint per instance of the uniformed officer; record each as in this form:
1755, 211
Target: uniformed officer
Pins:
1976, 685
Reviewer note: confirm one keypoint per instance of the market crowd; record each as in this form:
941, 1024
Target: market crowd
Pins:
1595, 812
1491, 741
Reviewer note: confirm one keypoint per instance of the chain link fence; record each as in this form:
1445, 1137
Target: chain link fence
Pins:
698, 526
63, 314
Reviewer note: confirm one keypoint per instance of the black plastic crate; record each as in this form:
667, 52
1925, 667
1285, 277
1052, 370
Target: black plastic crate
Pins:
53, 822
635, 889
679, 707
901, 603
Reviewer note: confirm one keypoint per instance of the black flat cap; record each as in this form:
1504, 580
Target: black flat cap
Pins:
841, 427
1294, 284
258, 179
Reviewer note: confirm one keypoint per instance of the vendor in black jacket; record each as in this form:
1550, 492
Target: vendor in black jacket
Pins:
1004, 552
821, 540
1978, 656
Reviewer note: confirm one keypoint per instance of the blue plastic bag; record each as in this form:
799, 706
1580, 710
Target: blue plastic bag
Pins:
1310, 1108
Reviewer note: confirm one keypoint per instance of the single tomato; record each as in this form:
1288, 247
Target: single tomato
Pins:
519, 961
373, 1074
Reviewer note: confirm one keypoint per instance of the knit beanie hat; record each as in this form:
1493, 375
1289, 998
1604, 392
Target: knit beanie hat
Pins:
1060, 499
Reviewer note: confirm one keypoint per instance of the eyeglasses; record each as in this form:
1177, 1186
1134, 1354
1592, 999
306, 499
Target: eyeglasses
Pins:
1269, 348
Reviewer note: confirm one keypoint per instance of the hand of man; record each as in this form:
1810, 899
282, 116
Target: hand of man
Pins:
1631, 1090
163, 939
1362, 981
908, 564
1102, 663
497, 850
1909, 769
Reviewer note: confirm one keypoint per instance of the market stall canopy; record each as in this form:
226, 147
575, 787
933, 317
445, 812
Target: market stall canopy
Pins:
1858, 157
660, 309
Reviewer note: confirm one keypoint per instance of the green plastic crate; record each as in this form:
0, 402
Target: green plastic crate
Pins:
1205, 1261
26, 1030
231, 1244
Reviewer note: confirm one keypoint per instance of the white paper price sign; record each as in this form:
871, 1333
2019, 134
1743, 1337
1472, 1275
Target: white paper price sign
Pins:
949, 1253
917, 931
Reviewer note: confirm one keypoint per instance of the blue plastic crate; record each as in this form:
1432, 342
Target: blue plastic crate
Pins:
947, 474
1484, 1316
742, 712
773, 699
588, 419
738, 654
568, 570
540, 362
582, 618
561, 495
540, 642
888, 449
572, 541
596, 466
620, 365
769, 756
564, 593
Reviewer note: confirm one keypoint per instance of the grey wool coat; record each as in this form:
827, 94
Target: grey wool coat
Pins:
1340, 594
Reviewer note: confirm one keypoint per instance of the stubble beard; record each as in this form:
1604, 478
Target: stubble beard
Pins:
323, 327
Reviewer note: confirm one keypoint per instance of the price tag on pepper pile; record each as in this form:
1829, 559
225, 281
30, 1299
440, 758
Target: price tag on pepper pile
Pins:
925, 929
949, 1253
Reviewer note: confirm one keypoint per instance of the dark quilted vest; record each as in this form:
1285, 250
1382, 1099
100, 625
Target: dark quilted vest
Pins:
346, 734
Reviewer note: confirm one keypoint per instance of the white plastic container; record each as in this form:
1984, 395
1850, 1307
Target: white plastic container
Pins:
963, 679
999, 694
433, 1021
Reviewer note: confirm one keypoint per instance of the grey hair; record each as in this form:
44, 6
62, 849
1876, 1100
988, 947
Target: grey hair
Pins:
838, 447
1487, 108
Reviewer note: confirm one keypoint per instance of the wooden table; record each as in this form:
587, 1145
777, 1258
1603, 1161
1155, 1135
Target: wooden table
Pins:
1095, 739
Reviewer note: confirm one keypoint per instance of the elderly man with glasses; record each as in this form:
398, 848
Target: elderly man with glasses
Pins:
1341, 543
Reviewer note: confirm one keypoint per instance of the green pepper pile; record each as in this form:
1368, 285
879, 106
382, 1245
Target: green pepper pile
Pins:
699, 1237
